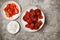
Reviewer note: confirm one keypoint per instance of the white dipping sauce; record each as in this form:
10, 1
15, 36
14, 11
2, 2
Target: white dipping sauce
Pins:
13, 27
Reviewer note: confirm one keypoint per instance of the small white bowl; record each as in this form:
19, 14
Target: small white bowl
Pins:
13, 27
13, 17
23, 23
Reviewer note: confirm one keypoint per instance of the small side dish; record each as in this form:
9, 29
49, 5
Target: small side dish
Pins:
13, 27
11, 10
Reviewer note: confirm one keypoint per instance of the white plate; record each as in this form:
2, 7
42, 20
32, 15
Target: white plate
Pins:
13, 17
13, 27
23, 23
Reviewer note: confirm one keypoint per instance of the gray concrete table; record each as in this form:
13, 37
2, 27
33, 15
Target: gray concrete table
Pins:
51, 28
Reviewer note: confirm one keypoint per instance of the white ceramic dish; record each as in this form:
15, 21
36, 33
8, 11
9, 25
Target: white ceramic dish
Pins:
13, 27
13, 17
23, 23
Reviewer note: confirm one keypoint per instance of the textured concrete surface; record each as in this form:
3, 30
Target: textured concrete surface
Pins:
51, 28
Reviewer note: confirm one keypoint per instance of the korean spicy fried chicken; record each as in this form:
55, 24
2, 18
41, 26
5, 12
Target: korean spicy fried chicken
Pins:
31, 17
